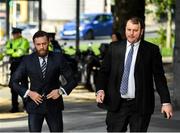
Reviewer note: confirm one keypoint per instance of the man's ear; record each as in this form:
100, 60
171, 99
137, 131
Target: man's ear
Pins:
142, 31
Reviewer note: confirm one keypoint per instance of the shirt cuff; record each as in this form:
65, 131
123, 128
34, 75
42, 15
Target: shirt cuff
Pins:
164, 104
99, 91
26, 94
62, 91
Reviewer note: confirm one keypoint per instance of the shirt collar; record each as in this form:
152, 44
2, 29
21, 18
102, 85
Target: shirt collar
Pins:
44, 57
135, 44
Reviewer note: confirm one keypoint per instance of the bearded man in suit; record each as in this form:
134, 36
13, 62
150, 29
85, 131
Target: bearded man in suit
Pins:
125, 81
44, 97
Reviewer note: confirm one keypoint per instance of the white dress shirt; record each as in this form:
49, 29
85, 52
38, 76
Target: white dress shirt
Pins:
41, 60
131, 81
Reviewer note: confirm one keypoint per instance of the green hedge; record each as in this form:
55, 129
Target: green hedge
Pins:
164, 51
84, 47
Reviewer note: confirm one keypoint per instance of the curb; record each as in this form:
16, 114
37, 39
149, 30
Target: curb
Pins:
8, 116
167, 59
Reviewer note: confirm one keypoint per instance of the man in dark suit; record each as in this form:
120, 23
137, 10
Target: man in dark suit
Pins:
125, 82
44, 97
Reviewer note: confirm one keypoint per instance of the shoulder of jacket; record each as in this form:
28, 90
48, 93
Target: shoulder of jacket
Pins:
55, 54
8, 41
28, 56
150, 45
25, 39
114, 44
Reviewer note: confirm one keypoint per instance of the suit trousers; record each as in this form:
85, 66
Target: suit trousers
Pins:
127, 115
54, 122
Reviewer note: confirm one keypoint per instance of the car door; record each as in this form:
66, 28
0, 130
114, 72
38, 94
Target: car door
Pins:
102, 25
107, 23
97, 25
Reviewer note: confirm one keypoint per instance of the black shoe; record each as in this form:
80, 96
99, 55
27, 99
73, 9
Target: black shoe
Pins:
13, 110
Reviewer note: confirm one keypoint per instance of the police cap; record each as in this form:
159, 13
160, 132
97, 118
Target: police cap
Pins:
16, 30
51, 34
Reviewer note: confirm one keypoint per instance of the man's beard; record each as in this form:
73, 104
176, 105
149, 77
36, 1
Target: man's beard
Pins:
42, 53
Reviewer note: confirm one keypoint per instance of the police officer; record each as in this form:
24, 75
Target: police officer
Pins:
54, 43
16, 48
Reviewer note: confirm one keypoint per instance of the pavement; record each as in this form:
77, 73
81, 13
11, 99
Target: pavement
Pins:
5, 101
81, 95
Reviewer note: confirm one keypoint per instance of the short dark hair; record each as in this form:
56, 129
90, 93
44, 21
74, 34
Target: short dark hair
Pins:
137, 20
40, 34
118, 35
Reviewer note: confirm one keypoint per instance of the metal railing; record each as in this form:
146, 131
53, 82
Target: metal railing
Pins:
4, 69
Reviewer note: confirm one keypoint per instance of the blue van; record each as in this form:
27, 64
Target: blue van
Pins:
91, 25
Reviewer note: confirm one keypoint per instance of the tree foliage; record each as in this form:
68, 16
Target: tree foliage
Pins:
126, 8
123, 9
165, 9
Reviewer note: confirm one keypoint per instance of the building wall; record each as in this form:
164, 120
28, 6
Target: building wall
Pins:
57, 12
24, 11
94, 6
66, 9
58, 9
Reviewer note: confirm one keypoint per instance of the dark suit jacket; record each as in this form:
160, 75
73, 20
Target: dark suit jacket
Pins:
30, 67
148, 67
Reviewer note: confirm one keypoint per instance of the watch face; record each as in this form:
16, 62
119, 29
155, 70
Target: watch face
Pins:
60, 92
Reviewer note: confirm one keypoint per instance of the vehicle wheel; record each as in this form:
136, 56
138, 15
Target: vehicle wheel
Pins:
89, 35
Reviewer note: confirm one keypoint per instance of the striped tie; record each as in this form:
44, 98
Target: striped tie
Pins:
43, 67
125, 77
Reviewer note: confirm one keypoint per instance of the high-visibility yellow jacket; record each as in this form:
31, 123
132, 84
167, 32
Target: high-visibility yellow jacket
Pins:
17, 47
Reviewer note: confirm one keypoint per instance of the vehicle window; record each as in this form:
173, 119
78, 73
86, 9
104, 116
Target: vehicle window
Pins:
99, 18
103, 18
86, 18
106, 18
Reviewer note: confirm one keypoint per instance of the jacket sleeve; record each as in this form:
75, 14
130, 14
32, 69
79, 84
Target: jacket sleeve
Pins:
103, 74
8, 48
19, 76
159, 77
67, 77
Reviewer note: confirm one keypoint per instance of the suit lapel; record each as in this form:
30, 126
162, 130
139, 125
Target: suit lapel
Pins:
121, 50
49, 64
139, 56
121, 55
37, 65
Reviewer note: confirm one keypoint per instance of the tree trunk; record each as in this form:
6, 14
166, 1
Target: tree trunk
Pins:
176, 60
125, 9
169, 29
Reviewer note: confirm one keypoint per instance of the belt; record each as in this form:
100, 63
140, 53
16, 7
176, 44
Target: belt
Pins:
44, 97
127, 99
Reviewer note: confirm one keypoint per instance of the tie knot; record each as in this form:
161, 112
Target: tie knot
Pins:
43, 58
132, 45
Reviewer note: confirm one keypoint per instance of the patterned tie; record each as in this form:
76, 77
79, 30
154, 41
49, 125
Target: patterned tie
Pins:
43, 67
125, 77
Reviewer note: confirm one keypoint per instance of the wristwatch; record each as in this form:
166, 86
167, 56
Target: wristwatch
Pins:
60, 92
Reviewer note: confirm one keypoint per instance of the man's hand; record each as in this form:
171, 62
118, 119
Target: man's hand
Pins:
100, 96
54, 94
37, 98
167, 109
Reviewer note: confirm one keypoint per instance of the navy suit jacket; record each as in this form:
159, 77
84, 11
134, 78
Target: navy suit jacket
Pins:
148, 68
30, 68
